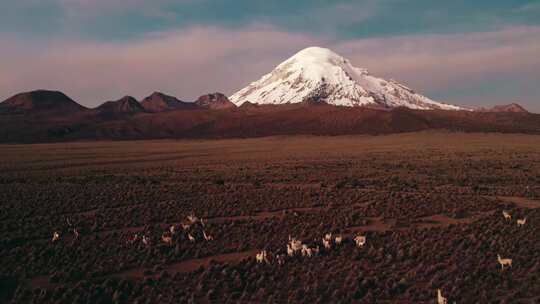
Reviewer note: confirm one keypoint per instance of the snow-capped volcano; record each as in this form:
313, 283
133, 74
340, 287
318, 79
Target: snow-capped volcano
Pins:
320, 74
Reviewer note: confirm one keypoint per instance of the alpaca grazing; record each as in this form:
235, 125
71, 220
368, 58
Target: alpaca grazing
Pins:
521, 222
290, 251
56, 236
328, 236
440, 298
167, 239
145, 240
306, 251
293, 246
261, 257
296, 245
133, 238
507, 215
207, 237
504, 262
360, 241
326, 244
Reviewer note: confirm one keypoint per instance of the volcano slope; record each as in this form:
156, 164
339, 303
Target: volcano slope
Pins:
429, 203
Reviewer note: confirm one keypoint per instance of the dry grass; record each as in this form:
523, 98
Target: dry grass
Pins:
430, 203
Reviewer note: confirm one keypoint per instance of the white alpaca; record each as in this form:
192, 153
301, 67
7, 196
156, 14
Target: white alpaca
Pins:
440, 298
145, 240
504, 262
328, 236
56, 236
338, 239
296, 245
206, 236
306, 251
280, 259
326, 243
166, 239
521, 222
506, 215
360, 241
261, 257
133, 239
191, 238
290, 251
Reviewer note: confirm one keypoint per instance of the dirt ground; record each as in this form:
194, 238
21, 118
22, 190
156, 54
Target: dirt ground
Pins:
430, 205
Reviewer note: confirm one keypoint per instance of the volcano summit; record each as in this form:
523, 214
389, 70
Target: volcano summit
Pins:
320, 74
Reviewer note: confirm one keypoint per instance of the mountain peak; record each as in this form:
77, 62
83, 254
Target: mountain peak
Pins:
128, 99
124, 105
41, 101
160, 102
215, 101
317, 73
512, 108
314, 56
316, 53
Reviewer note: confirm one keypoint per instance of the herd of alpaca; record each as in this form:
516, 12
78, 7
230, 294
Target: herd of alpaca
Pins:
167, 237
56, 234
508, 216
520, 222
504, 262
294, 246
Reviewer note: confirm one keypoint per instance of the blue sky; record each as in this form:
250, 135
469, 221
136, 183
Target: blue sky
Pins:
101, 49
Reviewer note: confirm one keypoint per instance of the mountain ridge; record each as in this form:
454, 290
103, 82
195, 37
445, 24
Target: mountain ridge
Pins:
160, 102
124, 105
252, 120
512, 107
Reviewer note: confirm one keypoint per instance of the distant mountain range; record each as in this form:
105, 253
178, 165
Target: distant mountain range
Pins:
45, 116
513, 108
314, 92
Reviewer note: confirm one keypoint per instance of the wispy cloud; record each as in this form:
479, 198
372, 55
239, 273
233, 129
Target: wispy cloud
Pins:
130, 19
439, 61
529, 8
186, 63
191, 62
95, 8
